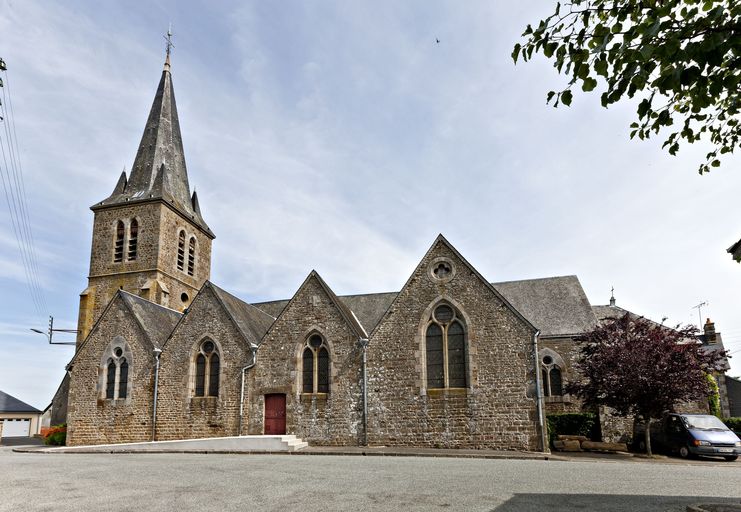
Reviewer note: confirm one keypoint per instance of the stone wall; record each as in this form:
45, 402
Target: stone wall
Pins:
332, 418
496, 410
153, 274
93, 419
566, 350
180, 414
59, 403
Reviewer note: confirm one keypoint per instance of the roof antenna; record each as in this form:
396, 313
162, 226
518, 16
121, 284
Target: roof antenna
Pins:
168, 46
612, 296
699, 309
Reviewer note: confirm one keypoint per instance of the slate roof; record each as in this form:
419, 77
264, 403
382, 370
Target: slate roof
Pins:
557, 306
159, 171
609, 312
349, 315
709, 345
613, 312
252, 322
156, 321
368, 308
12, 404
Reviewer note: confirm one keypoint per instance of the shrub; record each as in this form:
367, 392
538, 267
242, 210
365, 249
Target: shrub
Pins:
734, 424
57, 435
575, 424
713, 396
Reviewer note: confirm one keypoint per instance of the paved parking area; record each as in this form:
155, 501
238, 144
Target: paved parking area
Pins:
34, 481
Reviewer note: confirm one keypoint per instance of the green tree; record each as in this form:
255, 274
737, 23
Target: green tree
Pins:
682, 58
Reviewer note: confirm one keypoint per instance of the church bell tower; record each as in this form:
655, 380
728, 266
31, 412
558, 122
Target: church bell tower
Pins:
149, 237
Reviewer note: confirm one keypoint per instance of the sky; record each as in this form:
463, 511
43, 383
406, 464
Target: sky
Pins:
340, 136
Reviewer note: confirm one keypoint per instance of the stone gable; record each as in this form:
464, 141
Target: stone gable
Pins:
93, 419
321, 418
181, 415
494, 410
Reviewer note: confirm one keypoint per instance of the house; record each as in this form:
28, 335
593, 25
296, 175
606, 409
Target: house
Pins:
17, 418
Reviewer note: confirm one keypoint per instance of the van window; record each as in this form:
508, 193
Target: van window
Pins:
704, 422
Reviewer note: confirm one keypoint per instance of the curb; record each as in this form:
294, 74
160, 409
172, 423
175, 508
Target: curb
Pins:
713, 507
363, 453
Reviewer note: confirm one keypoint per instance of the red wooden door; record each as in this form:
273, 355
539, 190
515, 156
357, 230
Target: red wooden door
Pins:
275, 414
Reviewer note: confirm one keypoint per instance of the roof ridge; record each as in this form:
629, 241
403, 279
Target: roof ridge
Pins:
535, 279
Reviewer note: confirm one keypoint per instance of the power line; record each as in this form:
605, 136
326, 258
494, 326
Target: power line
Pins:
15, 195
34, 259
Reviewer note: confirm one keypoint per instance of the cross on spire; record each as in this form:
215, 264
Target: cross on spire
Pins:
168, 46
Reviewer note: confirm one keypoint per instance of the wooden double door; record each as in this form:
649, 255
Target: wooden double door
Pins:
275, 414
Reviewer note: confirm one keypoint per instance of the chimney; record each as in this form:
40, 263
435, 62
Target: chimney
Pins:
709, 328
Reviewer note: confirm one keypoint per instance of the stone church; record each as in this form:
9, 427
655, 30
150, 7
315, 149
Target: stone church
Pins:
450, 360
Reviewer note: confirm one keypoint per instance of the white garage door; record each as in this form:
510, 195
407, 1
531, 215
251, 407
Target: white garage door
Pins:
16, 427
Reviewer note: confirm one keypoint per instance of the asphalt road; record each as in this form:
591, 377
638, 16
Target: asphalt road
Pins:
165, 482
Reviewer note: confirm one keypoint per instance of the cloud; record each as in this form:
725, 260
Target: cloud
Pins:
340, 137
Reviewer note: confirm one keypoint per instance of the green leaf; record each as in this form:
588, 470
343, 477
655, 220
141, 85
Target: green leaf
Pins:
566, 97
516, 52
589, 84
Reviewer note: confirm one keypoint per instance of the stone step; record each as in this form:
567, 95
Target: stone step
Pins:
263, 443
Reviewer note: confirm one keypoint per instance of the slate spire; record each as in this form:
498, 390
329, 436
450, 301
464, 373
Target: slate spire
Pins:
159, 170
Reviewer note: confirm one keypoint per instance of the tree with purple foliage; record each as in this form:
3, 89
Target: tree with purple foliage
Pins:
640, 368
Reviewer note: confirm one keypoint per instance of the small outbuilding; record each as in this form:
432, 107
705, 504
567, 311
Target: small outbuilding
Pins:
17, 418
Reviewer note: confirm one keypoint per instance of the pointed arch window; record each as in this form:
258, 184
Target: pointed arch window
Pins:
445, 349
117, 375
315, 371
552, 377
118, 246
207, 370
191, 255
181, 251
133, 240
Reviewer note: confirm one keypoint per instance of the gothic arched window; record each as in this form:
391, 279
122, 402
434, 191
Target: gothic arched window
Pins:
116, 383
552, 375
315, 371
207, 370
445, 343
118, 245
191, 255
110, 390
133, 234
181, 251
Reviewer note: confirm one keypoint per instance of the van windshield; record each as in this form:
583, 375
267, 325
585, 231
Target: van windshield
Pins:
705, 422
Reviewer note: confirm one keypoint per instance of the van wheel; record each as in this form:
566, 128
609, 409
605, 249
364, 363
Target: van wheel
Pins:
731, 458
684, 452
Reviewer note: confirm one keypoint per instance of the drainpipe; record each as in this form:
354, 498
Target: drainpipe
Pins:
539, 395
253, 349
157, 353
364, 344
